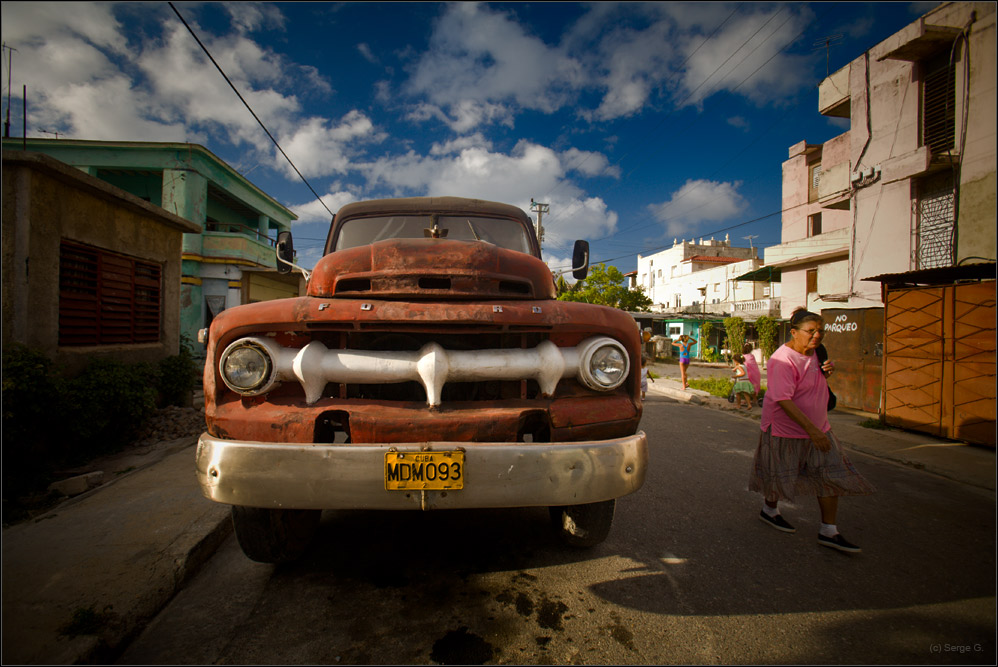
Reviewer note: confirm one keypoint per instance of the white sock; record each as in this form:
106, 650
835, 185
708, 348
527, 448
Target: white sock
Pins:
770, 511
829, 530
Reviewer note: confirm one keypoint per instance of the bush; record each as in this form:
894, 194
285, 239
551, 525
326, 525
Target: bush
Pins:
106, 405
735, 328
178, 376
29, 387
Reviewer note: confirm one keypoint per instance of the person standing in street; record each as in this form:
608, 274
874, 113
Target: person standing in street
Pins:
752, 370
743, 389
684, 344
797, 454
645, 375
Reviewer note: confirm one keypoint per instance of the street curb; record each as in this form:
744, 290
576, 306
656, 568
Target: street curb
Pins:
209, 535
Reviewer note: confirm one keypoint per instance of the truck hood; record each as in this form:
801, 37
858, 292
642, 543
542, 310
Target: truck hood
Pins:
438, 269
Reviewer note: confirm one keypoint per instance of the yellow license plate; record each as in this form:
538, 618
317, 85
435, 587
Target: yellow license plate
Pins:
424, 471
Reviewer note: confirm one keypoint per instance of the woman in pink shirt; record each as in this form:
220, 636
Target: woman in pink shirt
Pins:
797, 453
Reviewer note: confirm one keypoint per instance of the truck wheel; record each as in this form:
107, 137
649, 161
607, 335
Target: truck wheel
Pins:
274, 535
583, 525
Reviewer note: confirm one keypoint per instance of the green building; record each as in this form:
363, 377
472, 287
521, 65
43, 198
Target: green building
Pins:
232, 260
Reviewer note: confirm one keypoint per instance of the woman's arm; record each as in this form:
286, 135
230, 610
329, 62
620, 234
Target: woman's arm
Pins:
819, 439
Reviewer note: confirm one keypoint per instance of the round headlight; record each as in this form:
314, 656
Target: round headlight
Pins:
246, 366
603, 364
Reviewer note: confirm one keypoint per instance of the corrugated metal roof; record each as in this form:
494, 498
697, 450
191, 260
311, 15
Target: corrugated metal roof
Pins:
940, 276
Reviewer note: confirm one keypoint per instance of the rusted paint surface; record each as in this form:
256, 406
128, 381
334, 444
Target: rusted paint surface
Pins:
385, 422
288, 419
431, 268
854, 340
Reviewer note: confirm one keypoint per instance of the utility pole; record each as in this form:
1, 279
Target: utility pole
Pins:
10, 59
540, 209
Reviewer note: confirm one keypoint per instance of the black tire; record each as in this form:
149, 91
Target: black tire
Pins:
274, 535
583, 525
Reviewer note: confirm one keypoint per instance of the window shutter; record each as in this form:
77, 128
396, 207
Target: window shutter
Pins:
106, 298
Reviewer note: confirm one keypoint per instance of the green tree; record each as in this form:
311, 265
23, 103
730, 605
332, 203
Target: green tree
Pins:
706, 329
606, 286
767, 328
735, 328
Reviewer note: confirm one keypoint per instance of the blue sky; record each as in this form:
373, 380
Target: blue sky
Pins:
638, 123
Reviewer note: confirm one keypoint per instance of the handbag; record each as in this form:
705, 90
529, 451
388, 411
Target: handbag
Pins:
822, 355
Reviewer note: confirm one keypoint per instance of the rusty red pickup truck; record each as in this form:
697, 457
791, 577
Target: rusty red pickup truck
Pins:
428, 367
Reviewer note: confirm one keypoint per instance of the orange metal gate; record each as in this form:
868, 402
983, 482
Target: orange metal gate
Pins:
939, 367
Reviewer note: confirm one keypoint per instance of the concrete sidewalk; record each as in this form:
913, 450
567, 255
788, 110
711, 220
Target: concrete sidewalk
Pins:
105, 563
101, 565
958, 461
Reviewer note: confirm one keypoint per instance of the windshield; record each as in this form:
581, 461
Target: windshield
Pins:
502, 232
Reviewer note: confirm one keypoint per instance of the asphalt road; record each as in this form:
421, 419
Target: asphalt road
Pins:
688, 575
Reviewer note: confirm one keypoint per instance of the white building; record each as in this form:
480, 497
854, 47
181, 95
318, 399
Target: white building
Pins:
700, 277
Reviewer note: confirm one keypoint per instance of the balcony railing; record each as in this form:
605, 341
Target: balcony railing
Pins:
232, 228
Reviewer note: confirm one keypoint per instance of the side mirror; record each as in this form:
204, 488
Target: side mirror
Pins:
580, 260
285, 252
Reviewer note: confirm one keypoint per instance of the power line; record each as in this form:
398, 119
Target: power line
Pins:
664, 118
246, 104
710, 76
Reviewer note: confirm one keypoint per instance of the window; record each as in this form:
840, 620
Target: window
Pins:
938, 103
814, 179
934, 222
106, 298
814, 224
812, 281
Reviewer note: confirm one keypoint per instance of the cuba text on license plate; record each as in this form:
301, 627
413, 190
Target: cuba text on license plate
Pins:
429, 471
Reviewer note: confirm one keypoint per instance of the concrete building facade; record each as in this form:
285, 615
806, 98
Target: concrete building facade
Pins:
700, 277
88, 269
911, 185
231, 259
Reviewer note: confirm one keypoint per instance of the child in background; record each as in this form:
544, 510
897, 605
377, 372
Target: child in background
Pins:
644, 375
743, 388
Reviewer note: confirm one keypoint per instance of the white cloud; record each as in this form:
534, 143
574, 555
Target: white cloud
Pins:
252, 16
699, 201
472, 169
746, 56
588, 163
636, 63
320, 147
739, 122
315, 211
365, 51
476, 140
479, 58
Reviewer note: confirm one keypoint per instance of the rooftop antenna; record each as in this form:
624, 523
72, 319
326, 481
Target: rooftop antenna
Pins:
750, 237
826, 43
10, 59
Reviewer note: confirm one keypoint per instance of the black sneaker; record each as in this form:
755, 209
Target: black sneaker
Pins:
777, 522
838, 542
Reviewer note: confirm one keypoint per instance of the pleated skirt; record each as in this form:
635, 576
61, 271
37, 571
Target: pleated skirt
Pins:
785, 468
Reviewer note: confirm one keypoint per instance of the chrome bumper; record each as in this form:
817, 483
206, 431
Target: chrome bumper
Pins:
497, 474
